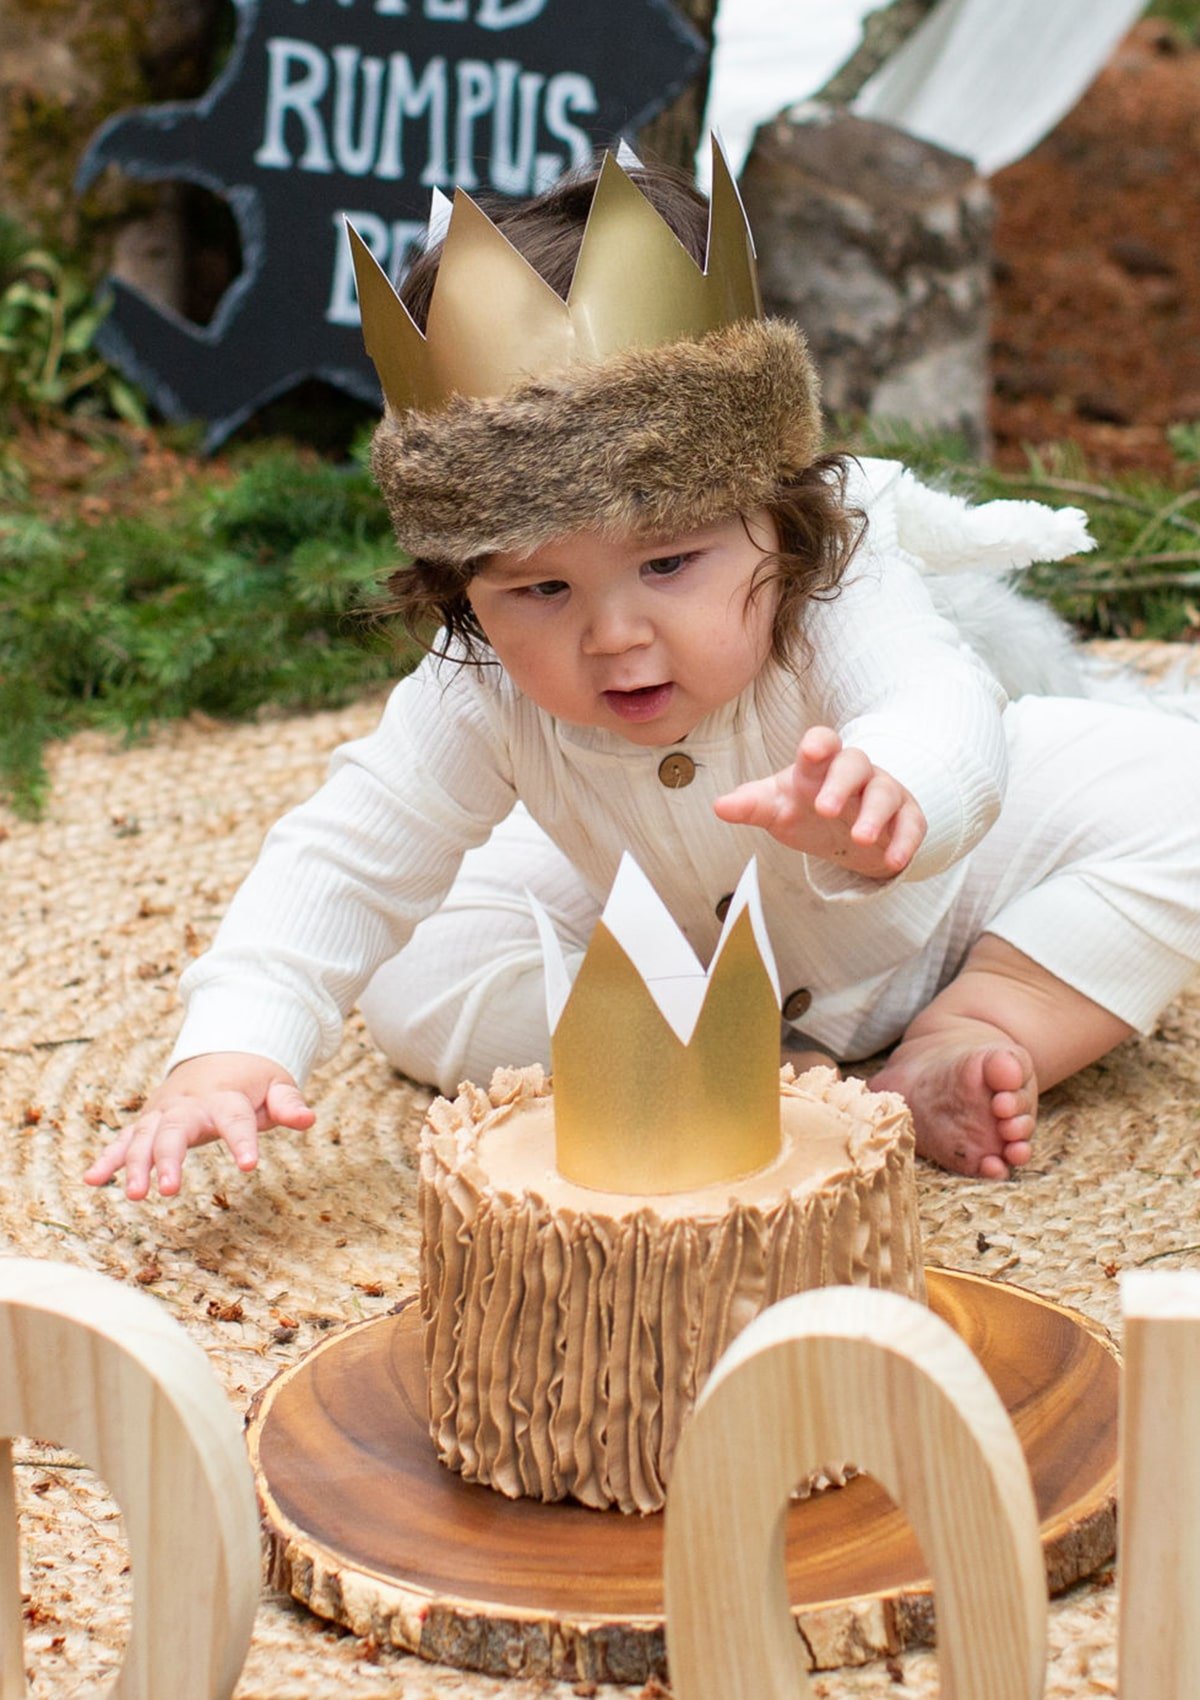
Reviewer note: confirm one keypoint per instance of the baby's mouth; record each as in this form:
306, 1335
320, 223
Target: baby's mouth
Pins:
647, 702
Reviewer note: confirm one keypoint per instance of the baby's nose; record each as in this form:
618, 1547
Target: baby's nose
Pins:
614, 627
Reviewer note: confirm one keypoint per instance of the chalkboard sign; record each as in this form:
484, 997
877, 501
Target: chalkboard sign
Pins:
329, 109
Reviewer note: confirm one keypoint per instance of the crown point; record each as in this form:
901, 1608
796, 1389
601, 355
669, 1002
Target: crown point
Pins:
731, 256
393, 340
483, 282
635, 284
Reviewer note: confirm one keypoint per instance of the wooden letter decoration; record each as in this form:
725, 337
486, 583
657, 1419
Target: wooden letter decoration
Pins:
1160, 1487
847, 1374
103, 1370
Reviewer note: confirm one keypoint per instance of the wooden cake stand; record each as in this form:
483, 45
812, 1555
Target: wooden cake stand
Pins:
366, 1527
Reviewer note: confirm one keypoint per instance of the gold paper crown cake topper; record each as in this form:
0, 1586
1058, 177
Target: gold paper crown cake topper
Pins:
666, 1077
494, 321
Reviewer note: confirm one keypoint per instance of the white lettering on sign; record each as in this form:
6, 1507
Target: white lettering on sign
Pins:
393, 244
349, 112
506, 14
300, 98
492, 14
354, 154
407, 98
569, 93
476, 82
514, 140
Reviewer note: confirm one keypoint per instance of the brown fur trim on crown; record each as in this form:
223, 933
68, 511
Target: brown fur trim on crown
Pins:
651, 441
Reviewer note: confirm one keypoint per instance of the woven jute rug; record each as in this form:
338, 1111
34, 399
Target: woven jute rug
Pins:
107, 898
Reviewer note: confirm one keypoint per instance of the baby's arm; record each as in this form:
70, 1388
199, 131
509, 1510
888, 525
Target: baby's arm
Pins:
229, 1095
897, 682
833, 803
340, 884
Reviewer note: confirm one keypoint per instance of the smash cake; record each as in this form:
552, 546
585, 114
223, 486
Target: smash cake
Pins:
584, 1265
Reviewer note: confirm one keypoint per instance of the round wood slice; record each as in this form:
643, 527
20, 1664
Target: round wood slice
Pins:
366, 1527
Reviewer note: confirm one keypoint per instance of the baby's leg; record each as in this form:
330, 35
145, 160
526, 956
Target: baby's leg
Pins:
971, 1064
467, 994
1077, 922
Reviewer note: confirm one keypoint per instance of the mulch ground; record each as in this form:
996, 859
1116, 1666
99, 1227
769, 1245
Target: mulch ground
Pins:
1097, 300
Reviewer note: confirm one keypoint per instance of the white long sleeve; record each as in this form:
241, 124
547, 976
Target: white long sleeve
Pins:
342, 881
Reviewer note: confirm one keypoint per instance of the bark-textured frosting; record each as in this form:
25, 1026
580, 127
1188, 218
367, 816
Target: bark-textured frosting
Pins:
568, 1332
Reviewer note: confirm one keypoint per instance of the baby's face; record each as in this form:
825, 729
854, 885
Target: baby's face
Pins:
641, 639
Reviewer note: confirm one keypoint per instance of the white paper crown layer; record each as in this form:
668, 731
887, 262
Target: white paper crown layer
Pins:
637, 918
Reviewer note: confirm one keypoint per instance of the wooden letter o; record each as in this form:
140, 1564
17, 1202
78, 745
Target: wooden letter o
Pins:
104, 1371
847, 1373
1159, 1636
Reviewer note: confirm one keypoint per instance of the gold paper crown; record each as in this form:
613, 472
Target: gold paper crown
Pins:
494, 321
668, 1079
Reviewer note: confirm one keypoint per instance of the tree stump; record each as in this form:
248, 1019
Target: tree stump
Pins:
884, 32
878, 245
674, 135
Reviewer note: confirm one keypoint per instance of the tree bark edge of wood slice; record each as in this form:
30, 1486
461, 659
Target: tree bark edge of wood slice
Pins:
405, 1553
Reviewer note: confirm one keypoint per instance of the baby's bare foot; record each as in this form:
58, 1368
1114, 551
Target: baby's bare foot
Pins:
973, 1097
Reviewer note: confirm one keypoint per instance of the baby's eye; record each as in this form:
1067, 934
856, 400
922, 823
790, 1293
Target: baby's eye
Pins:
666, 566
545, 590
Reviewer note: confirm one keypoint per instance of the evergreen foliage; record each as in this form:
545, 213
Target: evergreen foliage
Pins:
1143, 578
237, 596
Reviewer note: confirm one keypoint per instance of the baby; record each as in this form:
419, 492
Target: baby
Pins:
669, 623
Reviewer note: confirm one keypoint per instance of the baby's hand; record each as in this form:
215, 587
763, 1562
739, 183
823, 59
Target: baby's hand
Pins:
227, 1095
836, 804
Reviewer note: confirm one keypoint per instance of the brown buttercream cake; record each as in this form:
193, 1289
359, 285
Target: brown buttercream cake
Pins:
568, 1332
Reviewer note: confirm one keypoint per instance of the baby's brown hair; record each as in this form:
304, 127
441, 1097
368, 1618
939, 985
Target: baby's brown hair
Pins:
817, 532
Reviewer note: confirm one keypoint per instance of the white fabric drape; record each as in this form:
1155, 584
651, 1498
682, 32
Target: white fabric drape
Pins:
983, 78
988, 79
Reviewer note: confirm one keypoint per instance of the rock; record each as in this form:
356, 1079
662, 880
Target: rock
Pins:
878, 245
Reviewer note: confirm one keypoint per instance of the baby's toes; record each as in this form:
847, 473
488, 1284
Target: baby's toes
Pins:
1015, 1127
1004, 1071
1007, 1105
993, 1169
1016, 1132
